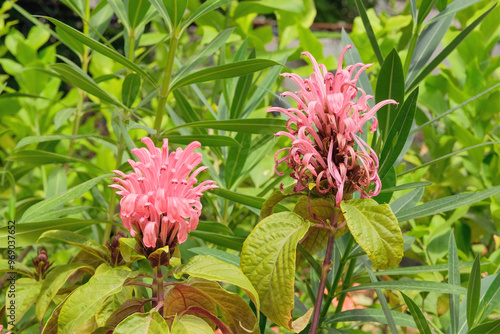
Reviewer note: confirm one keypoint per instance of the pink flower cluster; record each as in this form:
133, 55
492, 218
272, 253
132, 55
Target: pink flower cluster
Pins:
159, 198
324, 129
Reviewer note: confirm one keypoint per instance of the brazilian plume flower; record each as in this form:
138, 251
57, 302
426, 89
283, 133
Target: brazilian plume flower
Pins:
160, 199
324, 130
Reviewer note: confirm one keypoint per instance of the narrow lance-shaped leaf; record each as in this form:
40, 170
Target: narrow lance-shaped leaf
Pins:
205, 8
376, 230
236, 159
490, 300
453, 279
130, 88
175, 9
453, 8
473, 292
369, 30
137, 11
417, 315
250, 125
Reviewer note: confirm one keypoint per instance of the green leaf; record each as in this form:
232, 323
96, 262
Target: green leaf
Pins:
53, 282
491, 327
85, 301
205, 8
207, 51
131, 86
407, 201
33, 157
160, 7
81, 80
390, 85
190, 324
102, 49
19, 267
268, 259
425, 9
58, 200
447, 50
41, 139
175, 9
218, 254
410, 285
251, 201
251, 125
205, 140
453, 8
421, 269
418, 316
400, 129
376, 230
268, 206
407, 186
453, 279
490, 300
24, 297
369, 30
371, 315
77, 240
228, 241
143, 323
212, 269
236, 159
137, 10
28, 233
445, 204
230, 70
73, 44
57, 183
473, 292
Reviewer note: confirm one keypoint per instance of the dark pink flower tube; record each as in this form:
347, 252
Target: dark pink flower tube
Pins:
160, 198
324, 131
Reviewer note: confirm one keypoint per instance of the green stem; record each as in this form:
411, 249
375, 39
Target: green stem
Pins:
131, 47
411, 49
165, 88
338, 274
346, 283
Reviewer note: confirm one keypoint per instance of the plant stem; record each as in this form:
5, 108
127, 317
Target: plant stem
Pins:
325, 268
165, 88
345, 284
411, 49
338, 274
158, 287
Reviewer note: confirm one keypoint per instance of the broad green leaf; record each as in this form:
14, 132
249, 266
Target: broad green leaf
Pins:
218, 254
371, 315
58, 200
267, 207
407, 201
205, 8
128, 308
207, 51
445, 204
205, 140
490, 300
236, 159
27, 233
251, 201
418, 316
24, 297
427, 42
251, 125
212, 269
268, 259
175, 9
400, 129
40, 139
491, 327
473, 292
190, 324
423, 269
228, 241
410, 285
53, 282
17, 267
88, 298
102, 49
447, 50
81, 80
453, 8
230, 70
137, 10
77, 240
390, 85
143, 323
369, 30
453, 279
376, 230
316, 238
131, 87
33, 157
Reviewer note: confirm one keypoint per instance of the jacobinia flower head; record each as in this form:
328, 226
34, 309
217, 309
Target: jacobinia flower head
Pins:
160, 199
324, 130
